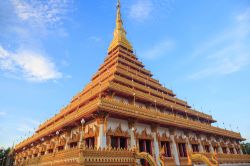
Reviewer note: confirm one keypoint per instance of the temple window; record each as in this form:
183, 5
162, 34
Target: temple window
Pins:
167, 150
231, 150
90, 142
195, 147
118, 142
35, 155
145, 146
182, 149
50, 151
73, 145
224, 150
60, 148
206, 147
42, 153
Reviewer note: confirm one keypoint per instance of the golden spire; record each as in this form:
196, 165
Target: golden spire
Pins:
119, 32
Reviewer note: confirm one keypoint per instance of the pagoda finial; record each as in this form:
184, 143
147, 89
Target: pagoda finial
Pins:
119, 32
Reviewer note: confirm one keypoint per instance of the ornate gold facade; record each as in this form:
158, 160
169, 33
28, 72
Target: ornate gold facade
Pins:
126, 117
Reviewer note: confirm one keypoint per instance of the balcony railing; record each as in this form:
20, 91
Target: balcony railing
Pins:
122, 108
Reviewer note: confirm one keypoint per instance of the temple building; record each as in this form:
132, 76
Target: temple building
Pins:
126, 117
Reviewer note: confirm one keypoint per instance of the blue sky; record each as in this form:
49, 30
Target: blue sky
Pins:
50, 49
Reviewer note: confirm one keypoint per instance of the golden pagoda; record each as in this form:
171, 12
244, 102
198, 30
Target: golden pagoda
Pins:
126, 117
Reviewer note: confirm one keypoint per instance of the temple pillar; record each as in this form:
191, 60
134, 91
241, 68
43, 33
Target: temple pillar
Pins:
241, 152
102, 125
174, 150
156, 144
81, 141
220, 149
189, 147
201, 149
235, 151
131, 125
211, 148
67, 137
228, 150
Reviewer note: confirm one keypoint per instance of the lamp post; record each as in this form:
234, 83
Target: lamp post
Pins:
82, 145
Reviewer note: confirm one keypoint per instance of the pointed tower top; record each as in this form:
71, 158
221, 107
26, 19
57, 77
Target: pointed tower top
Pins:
119, 32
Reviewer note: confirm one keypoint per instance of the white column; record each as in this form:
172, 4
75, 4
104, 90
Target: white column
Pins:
211, 148
201, 149
220, 149
101, 140
174, 150
228, 150
241, 152
67, 137
156, 148
131, 126
132, 138
189, 146
235, 152
81, 141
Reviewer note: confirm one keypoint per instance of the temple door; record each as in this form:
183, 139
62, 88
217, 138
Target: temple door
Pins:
145, 146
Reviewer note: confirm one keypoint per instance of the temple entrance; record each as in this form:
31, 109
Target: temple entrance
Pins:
145, 146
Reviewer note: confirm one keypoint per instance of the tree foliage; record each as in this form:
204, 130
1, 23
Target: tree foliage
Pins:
4, 155
245, 148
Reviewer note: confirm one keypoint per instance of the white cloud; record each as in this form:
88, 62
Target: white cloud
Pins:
41, 13
95, 38
159, 49
226, 53
24, 128
141, 9
30, 65
28, 125
2, 113
244, 16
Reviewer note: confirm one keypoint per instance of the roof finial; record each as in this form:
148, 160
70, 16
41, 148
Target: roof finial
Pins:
118, 4
119, 32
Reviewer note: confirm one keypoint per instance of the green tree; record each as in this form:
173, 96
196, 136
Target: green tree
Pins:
4, 153
245, 148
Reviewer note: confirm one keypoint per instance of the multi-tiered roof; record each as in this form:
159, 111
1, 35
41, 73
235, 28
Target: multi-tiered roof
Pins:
123, 88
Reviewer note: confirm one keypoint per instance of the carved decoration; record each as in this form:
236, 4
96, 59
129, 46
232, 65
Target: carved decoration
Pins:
42, 148
90, 133
61, 142
75, 138
214, 143
154, 128
117, 132
223, 144
204, 143
193, 141
163, 137
143, 135
51, 145
131, 123
179, 139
